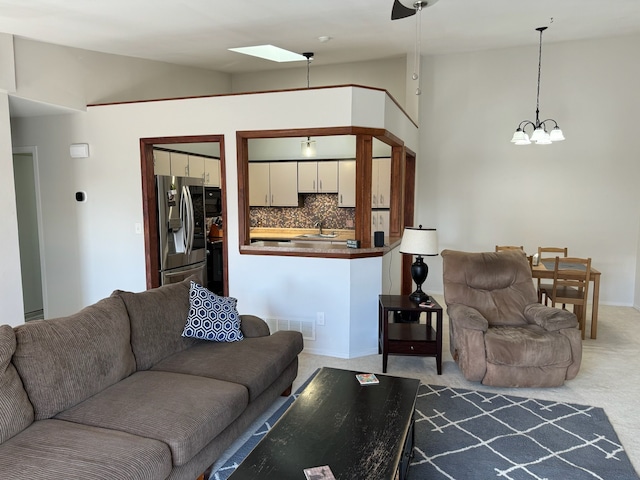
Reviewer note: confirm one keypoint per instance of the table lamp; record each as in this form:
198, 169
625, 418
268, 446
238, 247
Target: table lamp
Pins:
421, 242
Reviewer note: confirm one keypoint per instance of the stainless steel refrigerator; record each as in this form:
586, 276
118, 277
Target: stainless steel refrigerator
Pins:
181, 224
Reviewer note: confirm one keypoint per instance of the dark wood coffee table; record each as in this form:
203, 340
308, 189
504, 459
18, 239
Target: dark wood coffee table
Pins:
360, 432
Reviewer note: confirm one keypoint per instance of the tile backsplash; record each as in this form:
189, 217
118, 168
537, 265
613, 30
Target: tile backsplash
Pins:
315, 207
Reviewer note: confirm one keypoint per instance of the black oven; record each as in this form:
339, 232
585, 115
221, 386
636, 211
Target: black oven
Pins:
212, 201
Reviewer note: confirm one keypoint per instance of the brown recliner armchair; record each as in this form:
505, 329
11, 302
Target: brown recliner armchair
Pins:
499, 333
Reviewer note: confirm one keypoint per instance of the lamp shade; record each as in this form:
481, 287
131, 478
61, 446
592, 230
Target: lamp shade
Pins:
419, 241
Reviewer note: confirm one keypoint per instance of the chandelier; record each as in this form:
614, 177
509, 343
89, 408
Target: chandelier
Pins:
540, 136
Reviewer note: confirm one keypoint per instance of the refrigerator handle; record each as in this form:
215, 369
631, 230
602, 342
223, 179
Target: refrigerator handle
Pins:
184, 216
192, 226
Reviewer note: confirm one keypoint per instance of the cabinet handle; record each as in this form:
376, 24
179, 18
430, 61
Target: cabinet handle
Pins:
320, 182
340, 199
381, 200
374, 199
411, 347
314, 185
266, 199
272, 199
186, 171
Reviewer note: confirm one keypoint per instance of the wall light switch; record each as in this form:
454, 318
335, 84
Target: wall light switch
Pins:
138, 227
320, 318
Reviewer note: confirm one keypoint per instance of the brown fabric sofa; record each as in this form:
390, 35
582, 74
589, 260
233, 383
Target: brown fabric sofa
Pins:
499, 333
115, 392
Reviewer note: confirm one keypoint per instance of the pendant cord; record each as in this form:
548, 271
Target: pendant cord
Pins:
541, 29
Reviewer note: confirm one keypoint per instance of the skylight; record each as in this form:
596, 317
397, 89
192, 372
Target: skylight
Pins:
269, 52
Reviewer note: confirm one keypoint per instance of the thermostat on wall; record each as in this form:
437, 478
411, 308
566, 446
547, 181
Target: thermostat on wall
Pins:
79, 150
81, 196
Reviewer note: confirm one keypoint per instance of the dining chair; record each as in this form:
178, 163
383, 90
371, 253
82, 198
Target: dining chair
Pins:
571, 277
544, 287
500, 248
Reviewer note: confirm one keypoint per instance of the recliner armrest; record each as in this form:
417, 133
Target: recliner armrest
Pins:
550, 318
464, 316
253, 326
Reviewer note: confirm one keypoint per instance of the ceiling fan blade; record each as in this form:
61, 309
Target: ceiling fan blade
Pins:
400, 11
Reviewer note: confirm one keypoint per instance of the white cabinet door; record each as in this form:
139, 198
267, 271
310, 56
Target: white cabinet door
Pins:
380, 221
212, 172
381, 183
283, 184
259, 184
179, 164
328, 176
196, 167
307, 177
347, 183
161, 162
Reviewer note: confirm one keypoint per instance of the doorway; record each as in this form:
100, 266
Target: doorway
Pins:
150, 204
26, 181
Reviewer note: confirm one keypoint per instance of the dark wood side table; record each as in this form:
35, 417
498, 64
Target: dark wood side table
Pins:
409, 338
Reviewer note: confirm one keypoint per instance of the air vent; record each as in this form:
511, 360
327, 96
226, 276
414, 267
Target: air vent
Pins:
306, 327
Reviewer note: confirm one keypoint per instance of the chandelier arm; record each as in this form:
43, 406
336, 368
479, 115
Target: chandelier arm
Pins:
555, 124
526, 123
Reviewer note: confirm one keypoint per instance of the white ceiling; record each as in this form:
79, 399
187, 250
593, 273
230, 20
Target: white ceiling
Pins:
198, 32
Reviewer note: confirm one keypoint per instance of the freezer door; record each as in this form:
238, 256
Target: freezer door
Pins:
179, 274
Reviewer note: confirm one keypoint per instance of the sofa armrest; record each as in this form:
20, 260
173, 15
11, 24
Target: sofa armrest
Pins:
549, 318
464, 316
253, 326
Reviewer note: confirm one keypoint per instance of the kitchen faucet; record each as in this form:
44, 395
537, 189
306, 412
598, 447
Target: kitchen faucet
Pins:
319, 225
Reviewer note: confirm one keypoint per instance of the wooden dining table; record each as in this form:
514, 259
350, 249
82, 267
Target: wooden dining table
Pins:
546, 271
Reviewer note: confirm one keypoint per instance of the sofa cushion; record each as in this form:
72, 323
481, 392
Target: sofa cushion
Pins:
183, 411
212, 317
58, 450
16, 412
65, 360
529, 346
157, 318
254, 362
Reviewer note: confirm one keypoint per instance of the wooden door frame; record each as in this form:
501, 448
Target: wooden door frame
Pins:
150, 203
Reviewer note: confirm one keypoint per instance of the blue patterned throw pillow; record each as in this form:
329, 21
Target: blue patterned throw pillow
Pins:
212, 317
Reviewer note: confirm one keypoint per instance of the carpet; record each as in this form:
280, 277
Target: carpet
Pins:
467, 434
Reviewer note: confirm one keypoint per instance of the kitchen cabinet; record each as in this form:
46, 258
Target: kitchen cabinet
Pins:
184, 165
179, 164
347, 183
161, 163
212, 172
196, 167
318, 177
380, 221
381, 183
259, 184
283, 184
273, 184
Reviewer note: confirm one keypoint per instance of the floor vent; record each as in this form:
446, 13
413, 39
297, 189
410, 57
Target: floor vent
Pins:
306, 327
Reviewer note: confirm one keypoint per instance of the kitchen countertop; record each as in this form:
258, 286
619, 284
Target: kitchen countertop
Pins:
287, 242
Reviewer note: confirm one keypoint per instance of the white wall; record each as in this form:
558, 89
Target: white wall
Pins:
388, 74
479, 190
73, 77
94, 246
11, 278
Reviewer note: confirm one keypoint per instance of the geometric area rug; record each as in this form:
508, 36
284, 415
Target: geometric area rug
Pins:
468, 434
473, 435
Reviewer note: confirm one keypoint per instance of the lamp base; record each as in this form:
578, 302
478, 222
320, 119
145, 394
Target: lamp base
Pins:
419, 296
